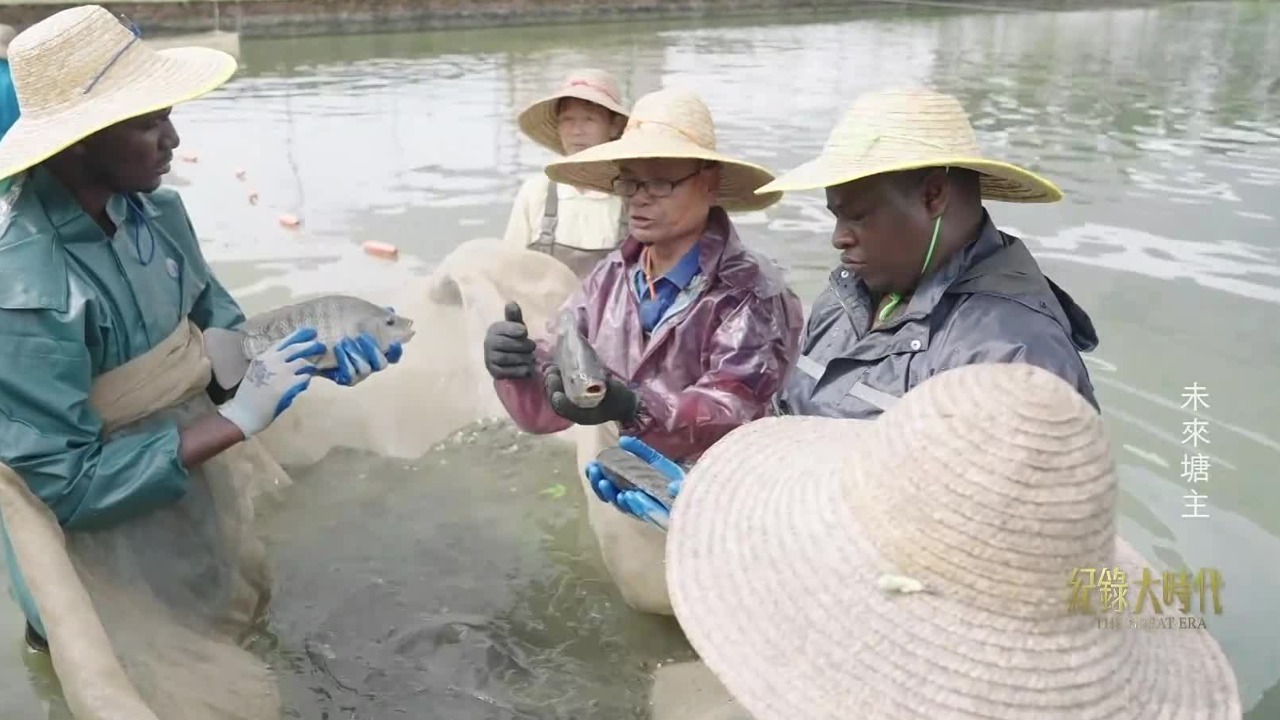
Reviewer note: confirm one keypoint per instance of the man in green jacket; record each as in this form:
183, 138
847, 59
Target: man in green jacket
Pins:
99, 265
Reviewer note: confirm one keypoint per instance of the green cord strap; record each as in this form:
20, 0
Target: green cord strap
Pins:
895, 298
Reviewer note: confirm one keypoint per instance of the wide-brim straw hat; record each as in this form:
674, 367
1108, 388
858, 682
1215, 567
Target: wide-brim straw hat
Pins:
82, 70
7, 34
796, 541
668, 123
900, 130
540, 121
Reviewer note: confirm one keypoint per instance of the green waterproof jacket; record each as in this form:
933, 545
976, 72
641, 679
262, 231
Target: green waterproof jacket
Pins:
75, 303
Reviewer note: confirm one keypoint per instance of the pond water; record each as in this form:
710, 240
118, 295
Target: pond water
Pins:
464, 584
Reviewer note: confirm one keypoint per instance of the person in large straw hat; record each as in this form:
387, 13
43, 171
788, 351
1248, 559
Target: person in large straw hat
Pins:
695, 330
948, 560
926, 280
575, 225
100, 269
8, 97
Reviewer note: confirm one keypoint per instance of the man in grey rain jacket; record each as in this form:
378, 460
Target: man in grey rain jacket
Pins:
926, 280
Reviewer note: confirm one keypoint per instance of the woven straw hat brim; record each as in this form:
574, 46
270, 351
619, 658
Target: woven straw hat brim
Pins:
178, 75
773, 559
597, 167
1000, 181
539, 121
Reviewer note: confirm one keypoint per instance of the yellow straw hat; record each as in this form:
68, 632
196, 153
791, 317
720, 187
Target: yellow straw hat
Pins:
81, 70
908, 129
540, 122
920, 565
668, 123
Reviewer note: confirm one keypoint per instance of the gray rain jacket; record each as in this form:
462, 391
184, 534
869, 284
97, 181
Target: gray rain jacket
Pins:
988, 303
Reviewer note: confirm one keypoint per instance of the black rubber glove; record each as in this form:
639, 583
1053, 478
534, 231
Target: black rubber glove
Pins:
618, 404
508, 351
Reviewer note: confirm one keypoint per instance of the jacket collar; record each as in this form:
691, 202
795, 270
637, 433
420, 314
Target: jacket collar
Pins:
43, 218
720, 252
70, 220
992, 264
932, 287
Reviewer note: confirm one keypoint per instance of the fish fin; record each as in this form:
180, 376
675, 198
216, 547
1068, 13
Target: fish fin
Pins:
225, 350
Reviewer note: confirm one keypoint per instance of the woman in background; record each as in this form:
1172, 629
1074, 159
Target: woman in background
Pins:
573, 225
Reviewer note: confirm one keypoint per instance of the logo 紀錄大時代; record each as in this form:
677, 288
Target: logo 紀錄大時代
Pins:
1168, 600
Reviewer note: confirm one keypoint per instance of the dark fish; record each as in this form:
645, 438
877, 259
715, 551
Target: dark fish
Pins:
631, 473
333, 316
580, 368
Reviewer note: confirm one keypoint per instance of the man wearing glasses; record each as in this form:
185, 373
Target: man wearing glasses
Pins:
695, 330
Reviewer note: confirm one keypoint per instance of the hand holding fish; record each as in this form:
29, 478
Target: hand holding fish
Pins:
578, 386
630, 475
273, 380
360, 338
618, 403
508, 351
361, 357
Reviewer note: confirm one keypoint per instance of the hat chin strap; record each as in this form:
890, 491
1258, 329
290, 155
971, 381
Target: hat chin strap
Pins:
110, 63
137, 35
895, 298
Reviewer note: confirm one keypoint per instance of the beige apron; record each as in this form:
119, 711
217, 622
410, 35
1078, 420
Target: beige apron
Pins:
634, 551
580, 260
144, 620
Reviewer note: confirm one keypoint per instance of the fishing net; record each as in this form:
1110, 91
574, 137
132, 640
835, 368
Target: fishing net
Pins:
450, 389
439, 386
148, 619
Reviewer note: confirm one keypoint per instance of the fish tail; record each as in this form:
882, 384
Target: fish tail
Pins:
225, 350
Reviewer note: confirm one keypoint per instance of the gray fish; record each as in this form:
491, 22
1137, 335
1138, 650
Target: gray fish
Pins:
333, 316
631, 473
580, 368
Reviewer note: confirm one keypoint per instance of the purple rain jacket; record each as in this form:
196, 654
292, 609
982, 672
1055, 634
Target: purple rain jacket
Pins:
713, 363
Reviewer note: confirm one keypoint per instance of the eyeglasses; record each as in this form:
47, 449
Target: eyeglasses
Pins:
657, 187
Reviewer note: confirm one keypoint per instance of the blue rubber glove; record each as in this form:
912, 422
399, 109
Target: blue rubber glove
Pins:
637, 503
273, 381
359, 357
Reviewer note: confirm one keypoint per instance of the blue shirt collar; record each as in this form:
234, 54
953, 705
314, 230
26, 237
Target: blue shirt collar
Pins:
685, 270
682, 274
